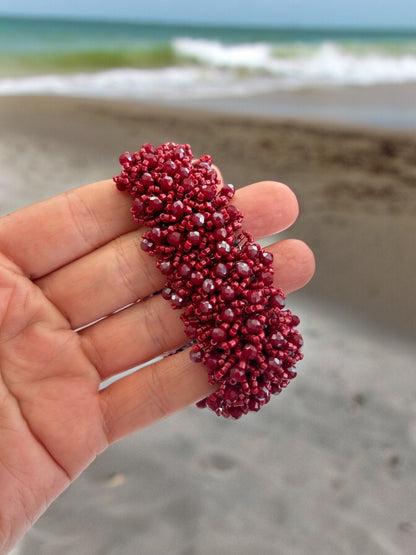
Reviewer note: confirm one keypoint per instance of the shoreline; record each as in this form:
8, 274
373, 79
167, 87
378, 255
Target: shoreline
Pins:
385, 107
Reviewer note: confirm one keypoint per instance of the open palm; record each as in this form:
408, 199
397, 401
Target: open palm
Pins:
65, 263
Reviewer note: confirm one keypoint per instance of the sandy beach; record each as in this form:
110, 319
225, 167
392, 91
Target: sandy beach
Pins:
329, 467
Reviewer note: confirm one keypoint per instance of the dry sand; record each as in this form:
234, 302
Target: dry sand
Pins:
330, 466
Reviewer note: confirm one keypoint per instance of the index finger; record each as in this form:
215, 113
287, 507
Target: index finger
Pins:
49, 234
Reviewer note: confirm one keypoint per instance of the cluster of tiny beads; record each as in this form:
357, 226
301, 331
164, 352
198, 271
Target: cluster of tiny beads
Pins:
235, 318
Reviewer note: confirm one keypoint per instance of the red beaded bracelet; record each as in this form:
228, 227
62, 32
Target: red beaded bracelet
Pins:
232, 313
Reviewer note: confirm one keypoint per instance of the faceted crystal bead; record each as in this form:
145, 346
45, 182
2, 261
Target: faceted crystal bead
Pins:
208, 286
146, 245
166, 183
223, 248
218, 335
147, 180
277, 340
228, 189
243, 269
249, 351
220, 270
174, 238
156, 234
184, 269
274, 364
267, 258
177, 300
165, 266
195, 356
155, 204
217, 219
277, 301
198, 219
220, 233
227, 292
196, 278
237, 374
178, 208
194, 237
169, 167
266, 277
228, 315
252, 251
255, 296
254, 325
205, 307
126, 158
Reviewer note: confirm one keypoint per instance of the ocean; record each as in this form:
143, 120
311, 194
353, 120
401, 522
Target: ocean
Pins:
155, 61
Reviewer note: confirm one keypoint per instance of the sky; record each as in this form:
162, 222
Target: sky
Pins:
361, 13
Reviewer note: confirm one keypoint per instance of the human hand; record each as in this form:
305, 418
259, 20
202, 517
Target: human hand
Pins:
64, 263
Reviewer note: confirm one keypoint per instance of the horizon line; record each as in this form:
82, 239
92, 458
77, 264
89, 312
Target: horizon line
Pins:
229, 25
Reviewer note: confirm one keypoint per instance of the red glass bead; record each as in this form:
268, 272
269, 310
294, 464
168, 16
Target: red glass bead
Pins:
277, 340
254, 325
205, 307
243, 269
165, 266
177, 300
169, 167
220, 233
166, 293
126, 158
220, 270
223, 248
188, 184
228, 315
217, 219
194, 237
156, 234
231, 395
146, 245
178, 208
184, 269
166, 183
198, 219
155, 204
237, 375
255, 296
274, 364
147, 180
218, 335
228, 189
227, 292
212, 362
277, 301
174, 238
195, 356
266, 277
196, 278
267, 258
138, 206
249, 351
208, 286
252, 251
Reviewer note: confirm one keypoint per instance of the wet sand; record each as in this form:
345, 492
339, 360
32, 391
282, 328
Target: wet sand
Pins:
329, 466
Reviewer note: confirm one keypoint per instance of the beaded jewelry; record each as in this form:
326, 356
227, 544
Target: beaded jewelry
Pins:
233, 315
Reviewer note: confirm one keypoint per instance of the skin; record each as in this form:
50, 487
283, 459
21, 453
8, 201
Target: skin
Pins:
67, 262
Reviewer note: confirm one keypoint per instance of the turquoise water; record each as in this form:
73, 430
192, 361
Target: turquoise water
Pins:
144, 60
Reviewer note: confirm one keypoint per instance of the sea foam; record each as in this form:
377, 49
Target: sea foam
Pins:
210, 68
